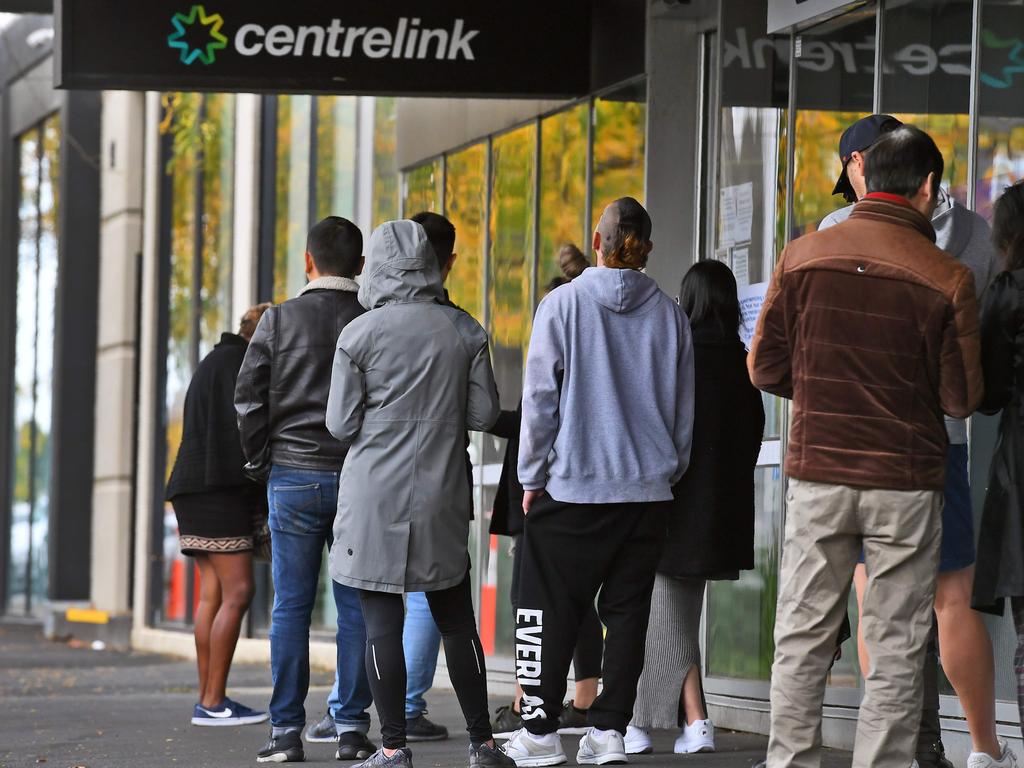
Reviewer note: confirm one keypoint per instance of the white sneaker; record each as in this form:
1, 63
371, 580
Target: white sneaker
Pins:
638, 741
599, 747
983, 760
699, 736
532, 751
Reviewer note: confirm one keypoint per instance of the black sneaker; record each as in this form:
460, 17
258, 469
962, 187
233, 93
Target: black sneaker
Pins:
420, 729
933, 757
286, 748
572, 720
506, 722
354, 746
401, 759
482, 756
323, 732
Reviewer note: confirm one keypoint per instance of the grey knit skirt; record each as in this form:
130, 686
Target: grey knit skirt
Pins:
673, 646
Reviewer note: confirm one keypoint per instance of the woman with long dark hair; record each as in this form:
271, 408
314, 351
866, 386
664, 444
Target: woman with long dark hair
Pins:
999, 573
711, 528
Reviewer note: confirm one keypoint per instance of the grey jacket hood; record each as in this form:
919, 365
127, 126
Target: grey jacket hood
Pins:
400, 266
621, 290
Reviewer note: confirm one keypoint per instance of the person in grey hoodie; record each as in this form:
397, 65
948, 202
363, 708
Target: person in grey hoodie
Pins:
606, 428
966, 647
409, 377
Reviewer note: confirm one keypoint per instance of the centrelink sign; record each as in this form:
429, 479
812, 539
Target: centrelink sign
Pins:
529, 48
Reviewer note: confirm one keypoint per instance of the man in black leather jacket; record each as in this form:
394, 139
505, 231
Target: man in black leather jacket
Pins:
281, 401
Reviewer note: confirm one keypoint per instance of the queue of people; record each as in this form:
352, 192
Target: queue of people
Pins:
339, 419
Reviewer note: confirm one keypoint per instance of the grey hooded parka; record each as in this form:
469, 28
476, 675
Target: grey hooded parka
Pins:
410, 376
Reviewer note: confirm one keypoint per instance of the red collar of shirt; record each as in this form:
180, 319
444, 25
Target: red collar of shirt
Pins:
889, 198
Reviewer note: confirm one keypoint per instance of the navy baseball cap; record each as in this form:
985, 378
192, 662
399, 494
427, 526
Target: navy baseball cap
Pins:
858, 138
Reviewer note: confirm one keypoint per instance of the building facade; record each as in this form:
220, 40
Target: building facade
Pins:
726, 130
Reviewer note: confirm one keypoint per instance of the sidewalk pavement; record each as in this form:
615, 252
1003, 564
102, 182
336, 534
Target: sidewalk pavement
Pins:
74, 707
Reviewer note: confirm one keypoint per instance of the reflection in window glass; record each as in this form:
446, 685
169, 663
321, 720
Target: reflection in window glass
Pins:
385, 172
423, 189
834, 87
511, 256
926, 80
218, 219
620, 140
291, 184
201, 177
38, 154
465, 207
563, 188
336, 157
741, 614
1000, 103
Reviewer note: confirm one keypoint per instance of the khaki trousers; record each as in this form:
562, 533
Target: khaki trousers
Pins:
826, 526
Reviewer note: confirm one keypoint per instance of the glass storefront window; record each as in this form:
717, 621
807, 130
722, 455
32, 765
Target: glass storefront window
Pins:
424, 189
834, 88
1000, 102
741, 614
509, 266
926, 77
563, 188
385, 171
201, 189
336, 156
465, 203
38, 156
620, 141
292, 190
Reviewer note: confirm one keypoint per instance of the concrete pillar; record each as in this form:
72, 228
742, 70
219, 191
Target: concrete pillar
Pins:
247, 203
674, 134
120, 249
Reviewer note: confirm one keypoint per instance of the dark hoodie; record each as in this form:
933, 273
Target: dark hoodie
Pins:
608, 396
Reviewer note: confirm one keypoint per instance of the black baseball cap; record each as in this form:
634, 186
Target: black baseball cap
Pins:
621, 217
857, 138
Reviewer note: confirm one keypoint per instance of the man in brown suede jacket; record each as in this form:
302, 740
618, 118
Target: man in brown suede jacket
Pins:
872, 331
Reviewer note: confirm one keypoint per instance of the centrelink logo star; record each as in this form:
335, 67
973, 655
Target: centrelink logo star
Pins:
1014, 48
206, 50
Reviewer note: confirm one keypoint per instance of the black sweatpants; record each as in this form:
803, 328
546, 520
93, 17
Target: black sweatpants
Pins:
586, 658
570, 553
452, 608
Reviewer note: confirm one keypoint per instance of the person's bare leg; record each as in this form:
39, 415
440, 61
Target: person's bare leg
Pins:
209, 603
860, 580
586, 692
693, 698
234, 572
966, 653
519, 698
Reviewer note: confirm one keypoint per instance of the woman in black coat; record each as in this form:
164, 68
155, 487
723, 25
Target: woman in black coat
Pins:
218, 510
711, 529
999, 573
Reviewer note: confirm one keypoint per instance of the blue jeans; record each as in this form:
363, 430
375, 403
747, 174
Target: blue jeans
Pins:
303, 503
421, 641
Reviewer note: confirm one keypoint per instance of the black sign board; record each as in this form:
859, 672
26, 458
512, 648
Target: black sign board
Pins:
528, 48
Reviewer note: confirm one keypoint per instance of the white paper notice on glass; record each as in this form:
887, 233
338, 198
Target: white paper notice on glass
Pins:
741, 266
735, 214
751, 300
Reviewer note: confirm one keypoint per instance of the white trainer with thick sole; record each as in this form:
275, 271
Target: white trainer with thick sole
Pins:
638, 741
532, 751
983, 760
699, 736
599, 747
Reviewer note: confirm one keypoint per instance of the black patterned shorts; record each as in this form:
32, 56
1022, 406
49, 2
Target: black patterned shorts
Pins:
220, 522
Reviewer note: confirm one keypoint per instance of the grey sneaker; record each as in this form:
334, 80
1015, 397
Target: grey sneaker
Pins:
323, 732
601, 748
530, 751
401, 759
482, 756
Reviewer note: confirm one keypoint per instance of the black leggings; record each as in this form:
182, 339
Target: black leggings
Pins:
452, 608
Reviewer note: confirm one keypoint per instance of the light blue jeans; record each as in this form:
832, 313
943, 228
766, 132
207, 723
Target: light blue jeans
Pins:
421, 641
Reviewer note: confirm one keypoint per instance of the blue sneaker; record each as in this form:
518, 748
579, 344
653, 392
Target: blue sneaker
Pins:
228, 713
